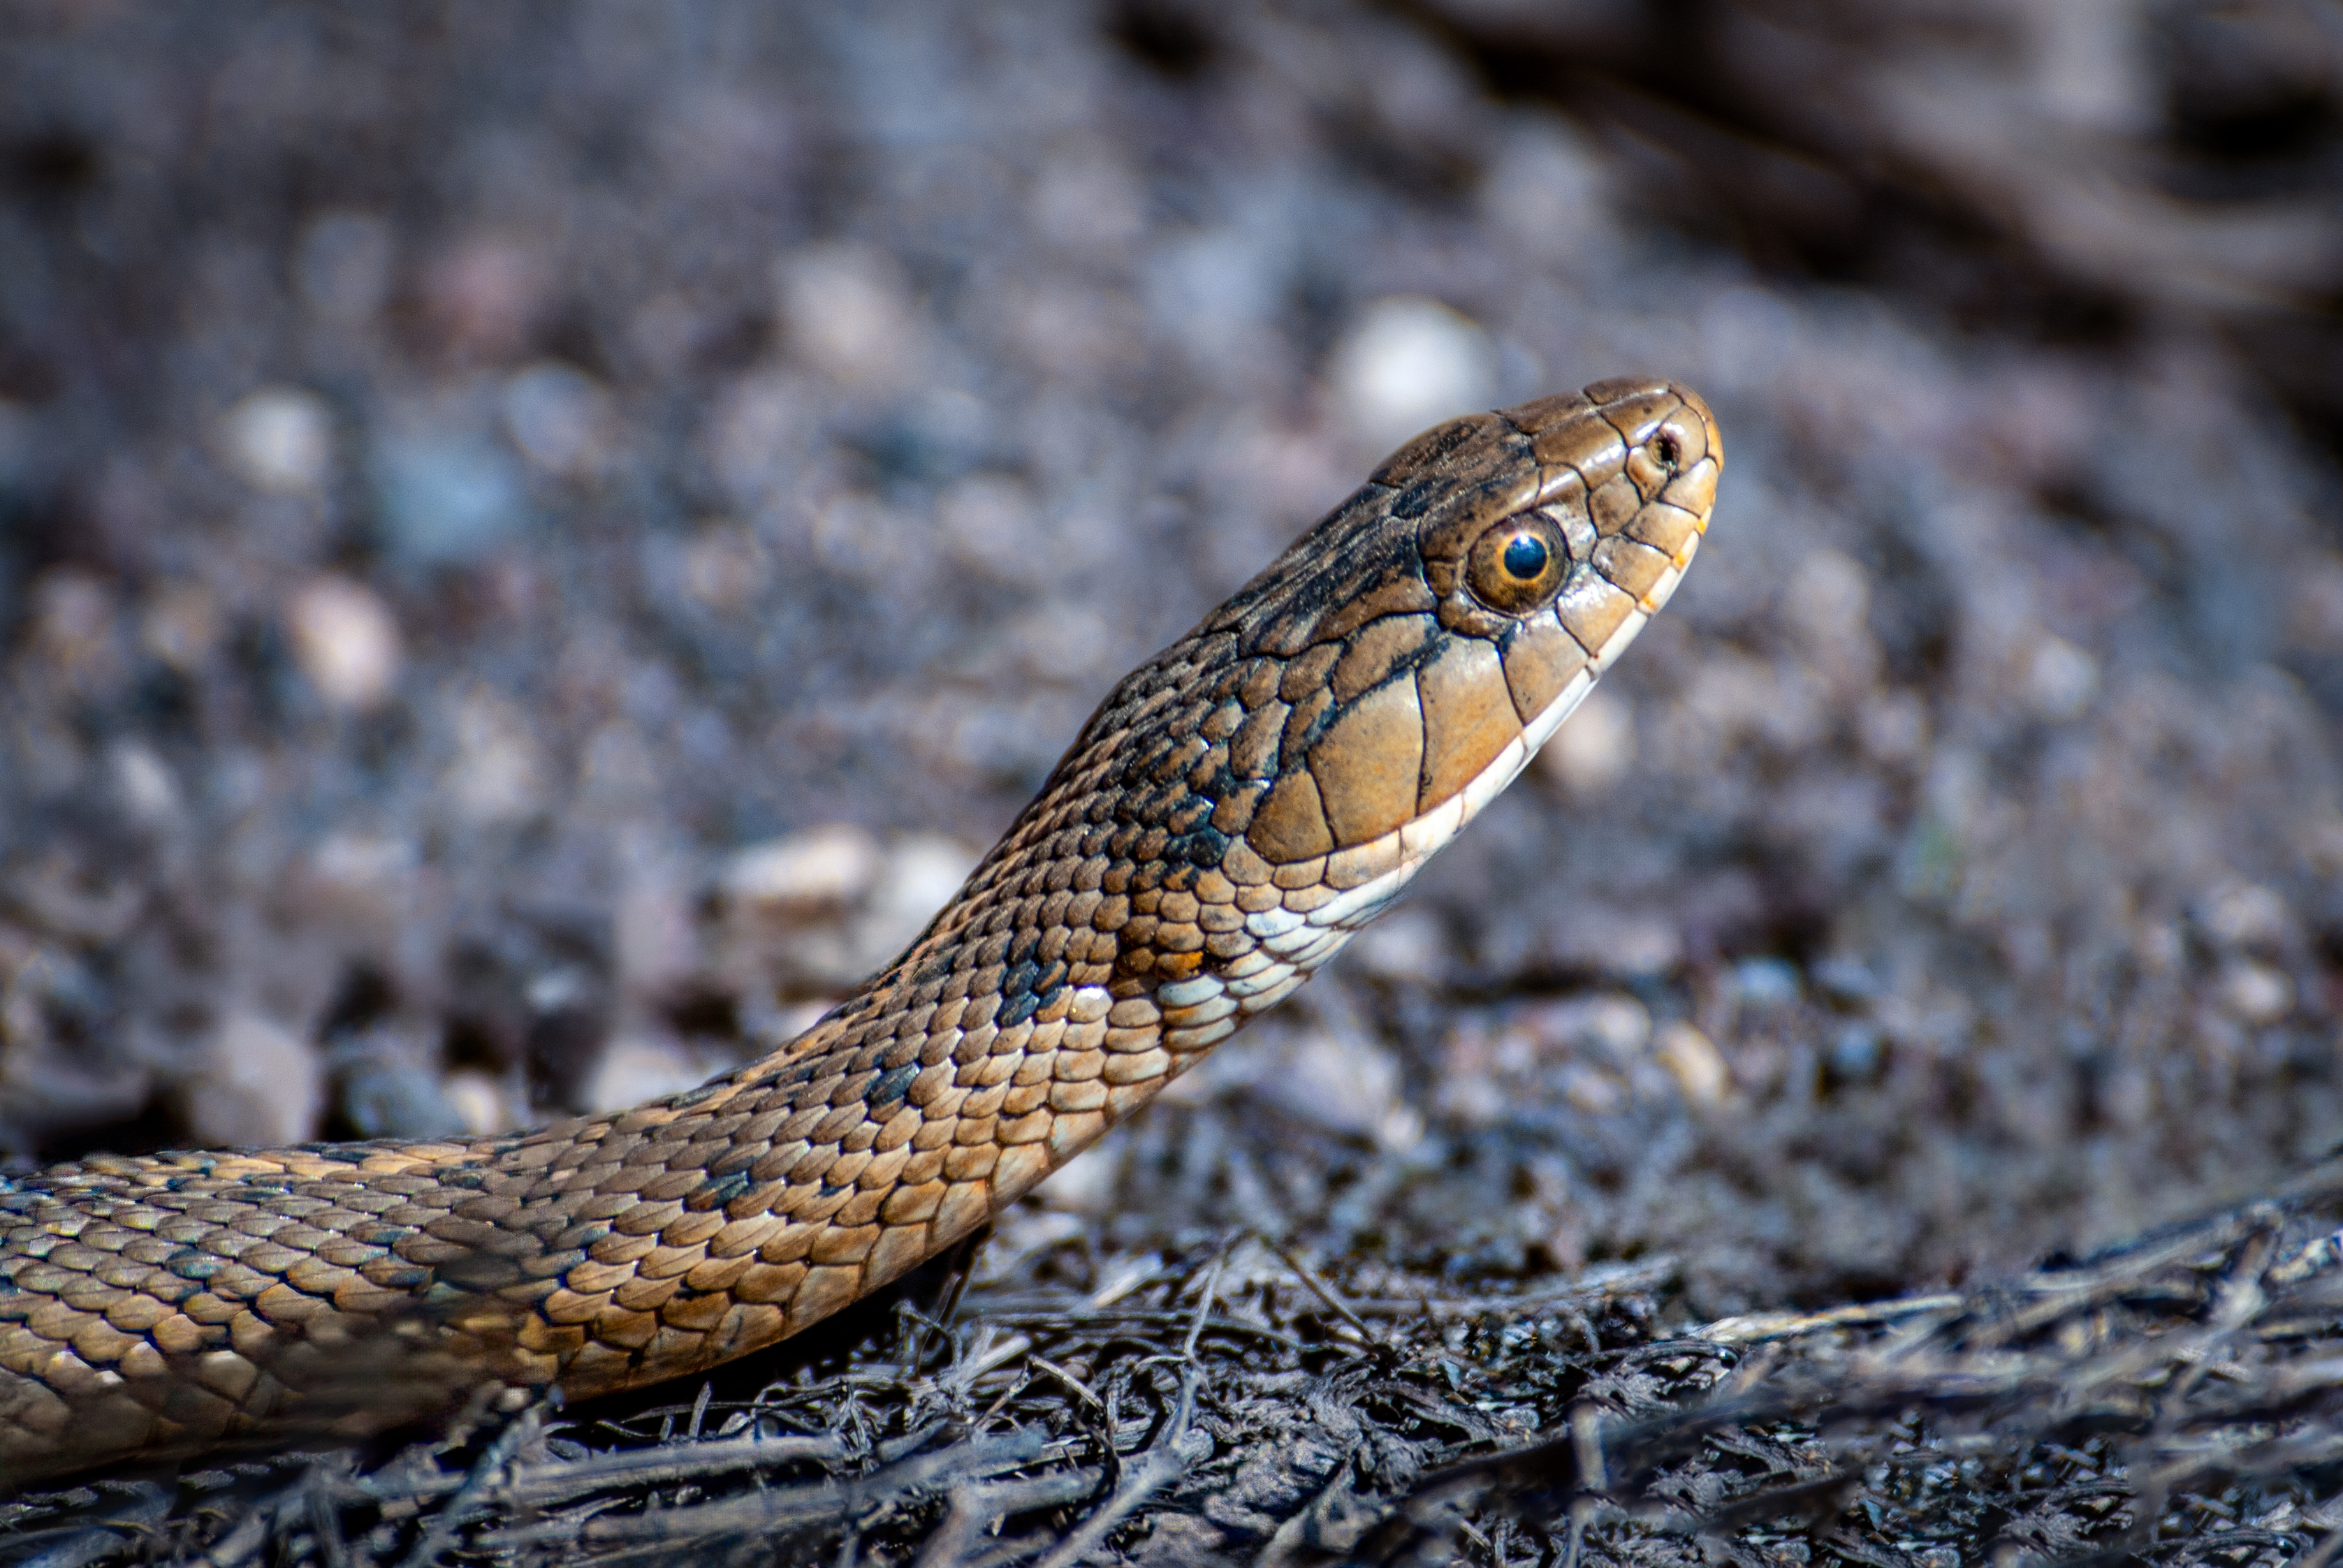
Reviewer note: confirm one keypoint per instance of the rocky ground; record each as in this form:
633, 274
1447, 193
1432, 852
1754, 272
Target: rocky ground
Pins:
538, 542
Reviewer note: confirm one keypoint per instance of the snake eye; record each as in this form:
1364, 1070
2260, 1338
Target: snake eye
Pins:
1525, 557
1517, 564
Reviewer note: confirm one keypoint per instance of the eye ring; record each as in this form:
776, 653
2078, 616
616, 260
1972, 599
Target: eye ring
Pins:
1519, 564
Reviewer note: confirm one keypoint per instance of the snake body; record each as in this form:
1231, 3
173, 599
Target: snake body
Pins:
1233, 811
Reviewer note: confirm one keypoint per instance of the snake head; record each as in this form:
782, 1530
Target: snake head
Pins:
1434, 631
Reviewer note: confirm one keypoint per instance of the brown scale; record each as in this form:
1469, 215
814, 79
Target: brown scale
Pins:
1262, 763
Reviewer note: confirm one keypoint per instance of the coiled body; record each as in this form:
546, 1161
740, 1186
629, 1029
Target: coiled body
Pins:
1233, 812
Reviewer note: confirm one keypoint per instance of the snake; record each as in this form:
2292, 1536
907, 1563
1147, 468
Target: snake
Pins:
1235, 809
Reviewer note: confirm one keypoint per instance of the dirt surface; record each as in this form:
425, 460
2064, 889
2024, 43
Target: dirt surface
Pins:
538, 542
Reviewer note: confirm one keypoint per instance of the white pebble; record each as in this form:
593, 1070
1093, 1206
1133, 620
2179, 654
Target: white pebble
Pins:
346, 641
1409, 363
2255, 994
280, 440
2245, 915
1594, 749
635, 1069
1692, 1061
143, 781
821, 865
257, 1084
2061, 680
921, 874
480, 1102
846, 311
498, 775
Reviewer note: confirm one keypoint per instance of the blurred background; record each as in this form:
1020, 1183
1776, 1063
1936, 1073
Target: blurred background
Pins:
538, 542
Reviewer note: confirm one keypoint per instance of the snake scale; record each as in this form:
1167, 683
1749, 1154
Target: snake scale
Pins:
1233, 811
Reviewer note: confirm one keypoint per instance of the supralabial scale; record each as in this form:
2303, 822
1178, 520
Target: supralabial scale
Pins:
1236, 808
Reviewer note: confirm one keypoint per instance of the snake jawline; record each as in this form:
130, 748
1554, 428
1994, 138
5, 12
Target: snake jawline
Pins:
1235, 808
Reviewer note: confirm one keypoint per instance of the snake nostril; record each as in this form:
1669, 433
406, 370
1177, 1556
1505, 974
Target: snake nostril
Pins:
1666, 449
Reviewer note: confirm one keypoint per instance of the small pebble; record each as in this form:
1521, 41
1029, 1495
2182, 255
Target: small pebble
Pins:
346, 641
483, 293
144, 783
2061, 680
279, 440
2246, 915
181, 625
499, 774
397, 1099
920, 876
559, 417
1692, 1060
1407, 364
1594, 749
446, 500
823, 866
635, 1069
847, 312
1766, 982
2255, 994
1854, 1053
343, 266
1406, 945
1618, 1026
725, 568
257, 1084
1590, 1090
480, 1102
1332, 1077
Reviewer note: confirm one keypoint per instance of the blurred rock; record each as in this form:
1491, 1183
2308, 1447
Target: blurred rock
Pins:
560, 419
144, 785
181, 625
725, 568
76, 628
827, 867
919, 875
345, 640
2061, 679
2255, 994
1692, 1061
483, 294
636, 1069
256, 1084
1336, 1078
342, 267
447, 499
846, 311
359, 881
482, 1105
1409, 363
280, 440
397, 1095
1406, 944
1765, 982
1594, 750
2247, 915
499, 774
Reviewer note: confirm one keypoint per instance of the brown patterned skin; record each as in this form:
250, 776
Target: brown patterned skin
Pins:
1234, 809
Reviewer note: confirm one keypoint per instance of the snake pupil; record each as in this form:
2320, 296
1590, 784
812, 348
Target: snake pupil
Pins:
1525, 556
